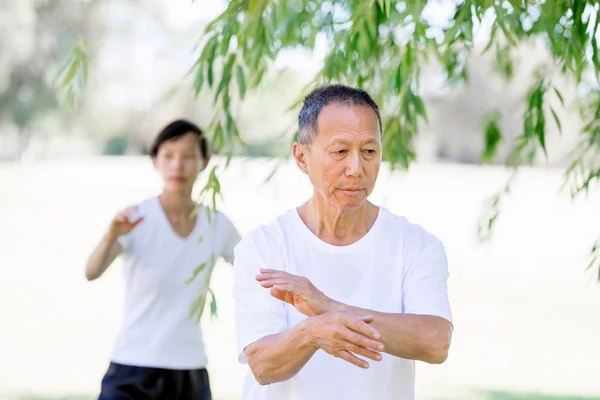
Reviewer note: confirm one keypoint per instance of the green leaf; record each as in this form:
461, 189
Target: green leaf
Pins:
493, 136
198, 81
197, 271
241, 81
419, 105
208, 50
66, 63
213, 304
271, 174
258, 77
491, 210
69, 101
226, 75
556, 119
209, 74
218, 138
70, 75
491, 39
197, 308
560, 97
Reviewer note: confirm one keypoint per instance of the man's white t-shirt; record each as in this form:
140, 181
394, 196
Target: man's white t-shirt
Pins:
397, 267
156, 331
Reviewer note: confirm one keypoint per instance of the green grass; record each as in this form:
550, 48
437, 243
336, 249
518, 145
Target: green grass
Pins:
508, 395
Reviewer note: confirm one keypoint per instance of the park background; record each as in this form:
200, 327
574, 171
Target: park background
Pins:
526, 310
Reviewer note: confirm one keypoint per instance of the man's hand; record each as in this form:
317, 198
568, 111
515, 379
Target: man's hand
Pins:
345, 335
297, 291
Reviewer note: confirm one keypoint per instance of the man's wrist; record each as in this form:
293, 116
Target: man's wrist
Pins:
304, 330
335, 306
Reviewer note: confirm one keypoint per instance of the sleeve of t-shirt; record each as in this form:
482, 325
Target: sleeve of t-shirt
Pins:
229, 239
425, 282
257, 313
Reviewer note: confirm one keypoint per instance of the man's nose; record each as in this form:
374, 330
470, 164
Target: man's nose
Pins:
354, 167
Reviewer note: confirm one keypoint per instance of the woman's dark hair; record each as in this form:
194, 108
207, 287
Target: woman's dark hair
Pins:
175, 130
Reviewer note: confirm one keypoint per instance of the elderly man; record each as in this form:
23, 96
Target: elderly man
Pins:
338, 280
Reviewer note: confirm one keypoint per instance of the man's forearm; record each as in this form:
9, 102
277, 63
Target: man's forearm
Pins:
276, 358
416, 337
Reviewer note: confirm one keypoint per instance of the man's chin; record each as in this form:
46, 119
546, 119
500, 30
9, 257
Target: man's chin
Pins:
352, 205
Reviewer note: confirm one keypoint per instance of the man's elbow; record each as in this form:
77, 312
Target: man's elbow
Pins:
439, 347
257, 368
438, 355
262, 381
260, 375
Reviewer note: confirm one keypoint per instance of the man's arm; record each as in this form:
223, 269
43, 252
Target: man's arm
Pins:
412, 336
276, 352
423, 332
278, 357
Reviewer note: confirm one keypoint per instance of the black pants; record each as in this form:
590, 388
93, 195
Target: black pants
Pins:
128, 382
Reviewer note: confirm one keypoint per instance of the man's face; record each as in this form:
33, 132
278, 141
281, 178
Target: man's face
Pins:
343, 158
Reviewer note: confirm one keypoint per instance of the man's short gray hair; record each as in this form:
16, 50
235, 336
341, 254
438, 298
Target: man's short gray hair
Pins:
322, 96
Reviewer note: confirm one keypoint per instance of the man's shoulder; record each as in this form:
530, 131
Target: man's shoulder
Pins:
411, 233
270, 235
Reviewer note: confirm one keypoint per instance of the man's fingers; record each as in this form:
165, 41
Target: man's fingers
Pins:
362, 340
351, 358
360, 326
263, 276
267, 270
271, 282
285, 287
277, 294
273, 273
366, 318
362, 351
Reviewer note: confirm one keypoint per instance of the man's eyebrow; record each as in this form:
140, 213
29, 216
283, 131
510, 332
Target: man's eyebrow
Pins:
336, 142
343, 141
371, 141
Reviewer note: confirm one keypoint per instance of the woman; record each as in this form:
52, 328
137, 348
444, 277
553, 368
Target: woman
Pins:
159, 352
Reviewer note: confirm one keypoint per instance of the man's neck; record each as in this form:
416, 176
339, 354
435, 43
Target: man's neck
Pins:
337, 226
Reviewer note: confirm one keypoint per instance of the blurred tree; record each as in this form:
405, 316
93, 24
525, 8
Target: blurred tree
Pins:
116, 145
382, 46
28, 95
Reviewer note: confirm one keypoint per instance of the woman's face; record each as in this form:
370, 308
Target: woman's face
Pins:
179, 162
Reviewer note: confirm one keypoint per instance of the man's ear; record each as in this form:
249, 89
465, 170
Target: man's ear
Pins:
300, 153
